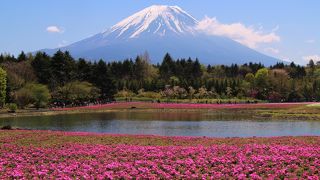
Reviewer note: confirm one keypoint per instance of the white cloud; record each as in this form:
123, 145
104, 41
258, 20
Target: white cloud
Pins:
272, 50
246, 35
285, 58
315, 58
54, 29
310, 41
276, 28
62, 44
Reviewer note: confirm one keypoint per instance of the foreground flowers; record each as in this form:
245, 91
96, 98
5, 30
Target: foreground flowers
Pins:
43, 154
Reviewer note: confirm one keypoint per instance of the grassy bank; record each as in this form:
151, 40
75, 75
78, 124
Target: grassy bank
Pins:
60, 155
259, 110
309, 112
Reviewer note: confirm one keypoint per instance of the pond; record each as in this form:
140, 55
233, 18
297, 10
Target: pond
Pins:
168, 124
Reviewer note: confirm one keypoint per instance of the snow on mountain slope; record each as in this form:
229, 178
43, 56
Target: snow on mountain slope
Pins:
160, 29
160, 20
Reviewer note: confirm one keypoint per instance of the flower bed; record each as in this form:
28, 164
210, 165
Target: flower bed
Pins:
145, 105
51, 155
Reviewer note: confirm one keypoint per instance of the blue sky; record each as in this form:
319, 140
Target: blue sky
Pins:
294, 23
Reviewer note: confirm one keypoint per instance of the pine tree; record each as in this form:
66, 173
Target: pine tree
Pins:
1, 58
166, 67
22, 57
102, 80
83, 70
62, 68
3, 87
41, 67
196, 70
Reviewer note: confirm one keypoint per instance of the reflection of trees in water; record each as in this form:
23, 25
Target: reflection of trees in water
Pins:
71, 122
158, 115
182, 123
103, 121
182, 115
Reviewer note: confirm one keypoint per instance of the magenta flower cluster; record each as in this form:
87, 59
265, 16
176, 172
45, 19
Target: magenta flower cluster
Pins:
226, 106
72, 160
121, 105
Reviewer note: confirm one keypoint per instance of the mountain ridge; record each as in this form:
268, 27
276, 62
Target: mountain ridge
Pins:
161, 29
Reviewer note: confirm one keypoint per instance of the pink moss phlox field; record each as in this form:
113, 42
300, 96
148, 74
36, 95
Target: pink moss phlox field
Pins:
120, 105
35, 155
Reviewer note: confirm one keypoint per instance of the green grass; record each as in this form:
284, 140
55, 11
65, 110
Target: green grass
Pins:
306, 112
317, 105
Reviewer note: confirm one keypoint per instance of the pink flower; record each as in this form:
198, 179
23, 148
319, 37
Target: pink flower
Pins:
94, 156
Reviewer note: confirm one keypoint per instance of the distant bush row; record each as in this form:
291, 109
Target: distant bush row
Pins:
60, 80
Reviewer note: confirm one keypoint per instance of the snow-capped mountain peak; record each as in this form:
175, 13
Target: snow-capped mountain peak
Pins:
159, 30
157, 20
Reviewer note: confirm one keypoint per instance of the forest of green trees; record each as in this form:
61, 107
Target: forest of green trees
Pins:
40, 80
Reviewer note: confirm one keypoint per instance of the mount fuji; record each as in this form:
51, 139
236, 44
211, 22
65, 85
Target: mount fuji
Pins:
159, 30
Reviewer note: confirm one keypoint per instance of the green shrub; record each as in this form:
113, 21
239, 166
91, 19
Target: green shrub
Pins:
36, 94
7, 127
12, 107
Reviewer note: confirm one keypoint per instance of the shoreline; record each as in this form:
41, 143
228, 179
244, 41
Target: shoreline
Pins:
134, 138
156, 136
307, 111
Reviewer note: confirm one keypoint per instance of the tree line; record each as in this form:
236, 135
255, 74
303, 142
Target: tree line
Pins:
60, 80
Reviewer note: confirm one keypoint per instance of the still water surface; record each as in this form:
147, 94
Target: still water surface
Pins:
168, 124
